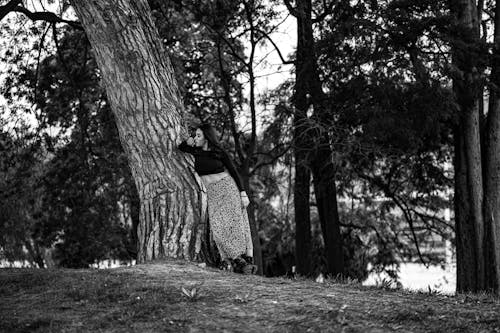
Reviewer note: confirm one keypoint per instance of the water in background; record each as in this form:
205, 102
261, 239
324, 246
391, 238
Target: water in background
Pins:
417, 277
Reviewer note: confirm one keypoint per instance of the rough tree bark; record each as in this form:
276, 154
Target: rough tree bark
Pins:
465, 233
144, 97
468, 166
492, 170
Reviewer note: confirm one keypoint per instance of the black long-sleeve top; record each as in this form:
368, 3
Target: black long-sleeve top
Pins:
208, 162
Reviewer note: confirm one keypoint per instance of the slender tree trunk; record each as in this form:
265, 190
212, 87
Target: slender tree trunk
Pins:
301, 201
302, 142
468, 164
326, 198
492, 170
257, 249
144, 97
325, 189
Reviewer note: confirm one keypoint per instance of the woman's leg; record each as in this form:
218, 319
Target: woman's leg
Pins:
228, 219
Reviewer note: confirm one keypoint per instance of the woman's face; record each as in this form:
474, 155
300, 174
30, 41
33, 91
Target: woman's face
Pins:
199, 138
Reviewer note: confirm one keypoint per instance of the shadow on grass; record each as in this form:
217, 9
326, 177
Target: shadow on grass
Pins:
15, 280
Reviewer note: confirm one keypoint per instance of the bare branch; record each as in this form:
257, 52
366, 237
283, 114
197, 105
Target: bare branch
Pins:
234, 52
9, 7
253, 43
285, 62
46, 16
425, 218
409, 219
271, 161
406, 211
489, 12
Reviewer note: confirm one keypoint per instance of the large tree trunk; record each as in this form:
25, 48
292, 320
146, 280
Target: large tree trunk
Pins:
468, 164
492, 171
309, 90
465, 221
143, 94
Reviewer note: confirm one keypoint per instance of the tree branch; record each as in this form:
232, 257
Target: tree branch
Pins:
234, 53
226, 84
9, 7
406, 212
290, 8
489, 12
253, 43
285, 62
46, 16
271, 161
425, 218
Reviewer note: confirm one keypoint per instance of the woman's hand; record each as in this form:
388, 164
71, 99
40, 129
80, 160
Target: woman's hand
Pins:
244, 199
190, 141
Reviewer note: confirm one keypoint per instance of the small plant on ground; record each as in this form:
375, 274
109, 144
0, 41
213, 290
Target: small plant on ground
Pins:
192, 294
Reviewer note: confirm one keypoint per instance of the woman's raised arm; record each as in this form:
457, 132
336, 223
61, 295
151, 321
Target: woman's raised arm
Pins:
187, 146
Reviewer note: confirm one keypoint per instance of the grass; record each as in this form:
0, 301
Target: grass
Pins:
150, 298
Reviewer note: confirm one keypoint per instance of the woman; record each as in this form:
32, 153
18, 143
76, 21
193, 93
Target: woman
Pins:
227, 199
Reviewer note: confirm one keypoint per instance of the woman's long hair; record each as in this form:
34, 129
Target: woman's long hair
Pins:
210, 135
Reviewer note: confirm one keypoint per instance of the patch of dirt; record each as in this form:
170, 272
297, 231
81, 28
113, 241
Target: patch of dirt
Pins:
175, 296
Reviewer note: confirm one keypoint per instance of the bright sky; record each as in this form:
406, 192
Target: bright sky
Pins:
270, 71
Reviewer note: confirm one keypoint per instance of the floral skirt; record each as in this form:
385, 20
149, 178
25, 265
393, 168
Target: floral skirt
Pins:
228, 219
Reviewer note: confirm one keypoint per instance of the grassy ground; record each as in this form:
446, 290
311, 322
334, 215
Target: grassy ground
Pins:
149, 298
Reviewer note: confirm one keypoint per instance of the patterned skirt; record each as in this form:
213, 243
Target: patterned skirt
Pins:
228, 219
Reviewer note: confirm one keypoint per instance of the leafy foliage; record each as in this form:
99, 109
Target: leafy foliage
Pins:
20, 161
85, 190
